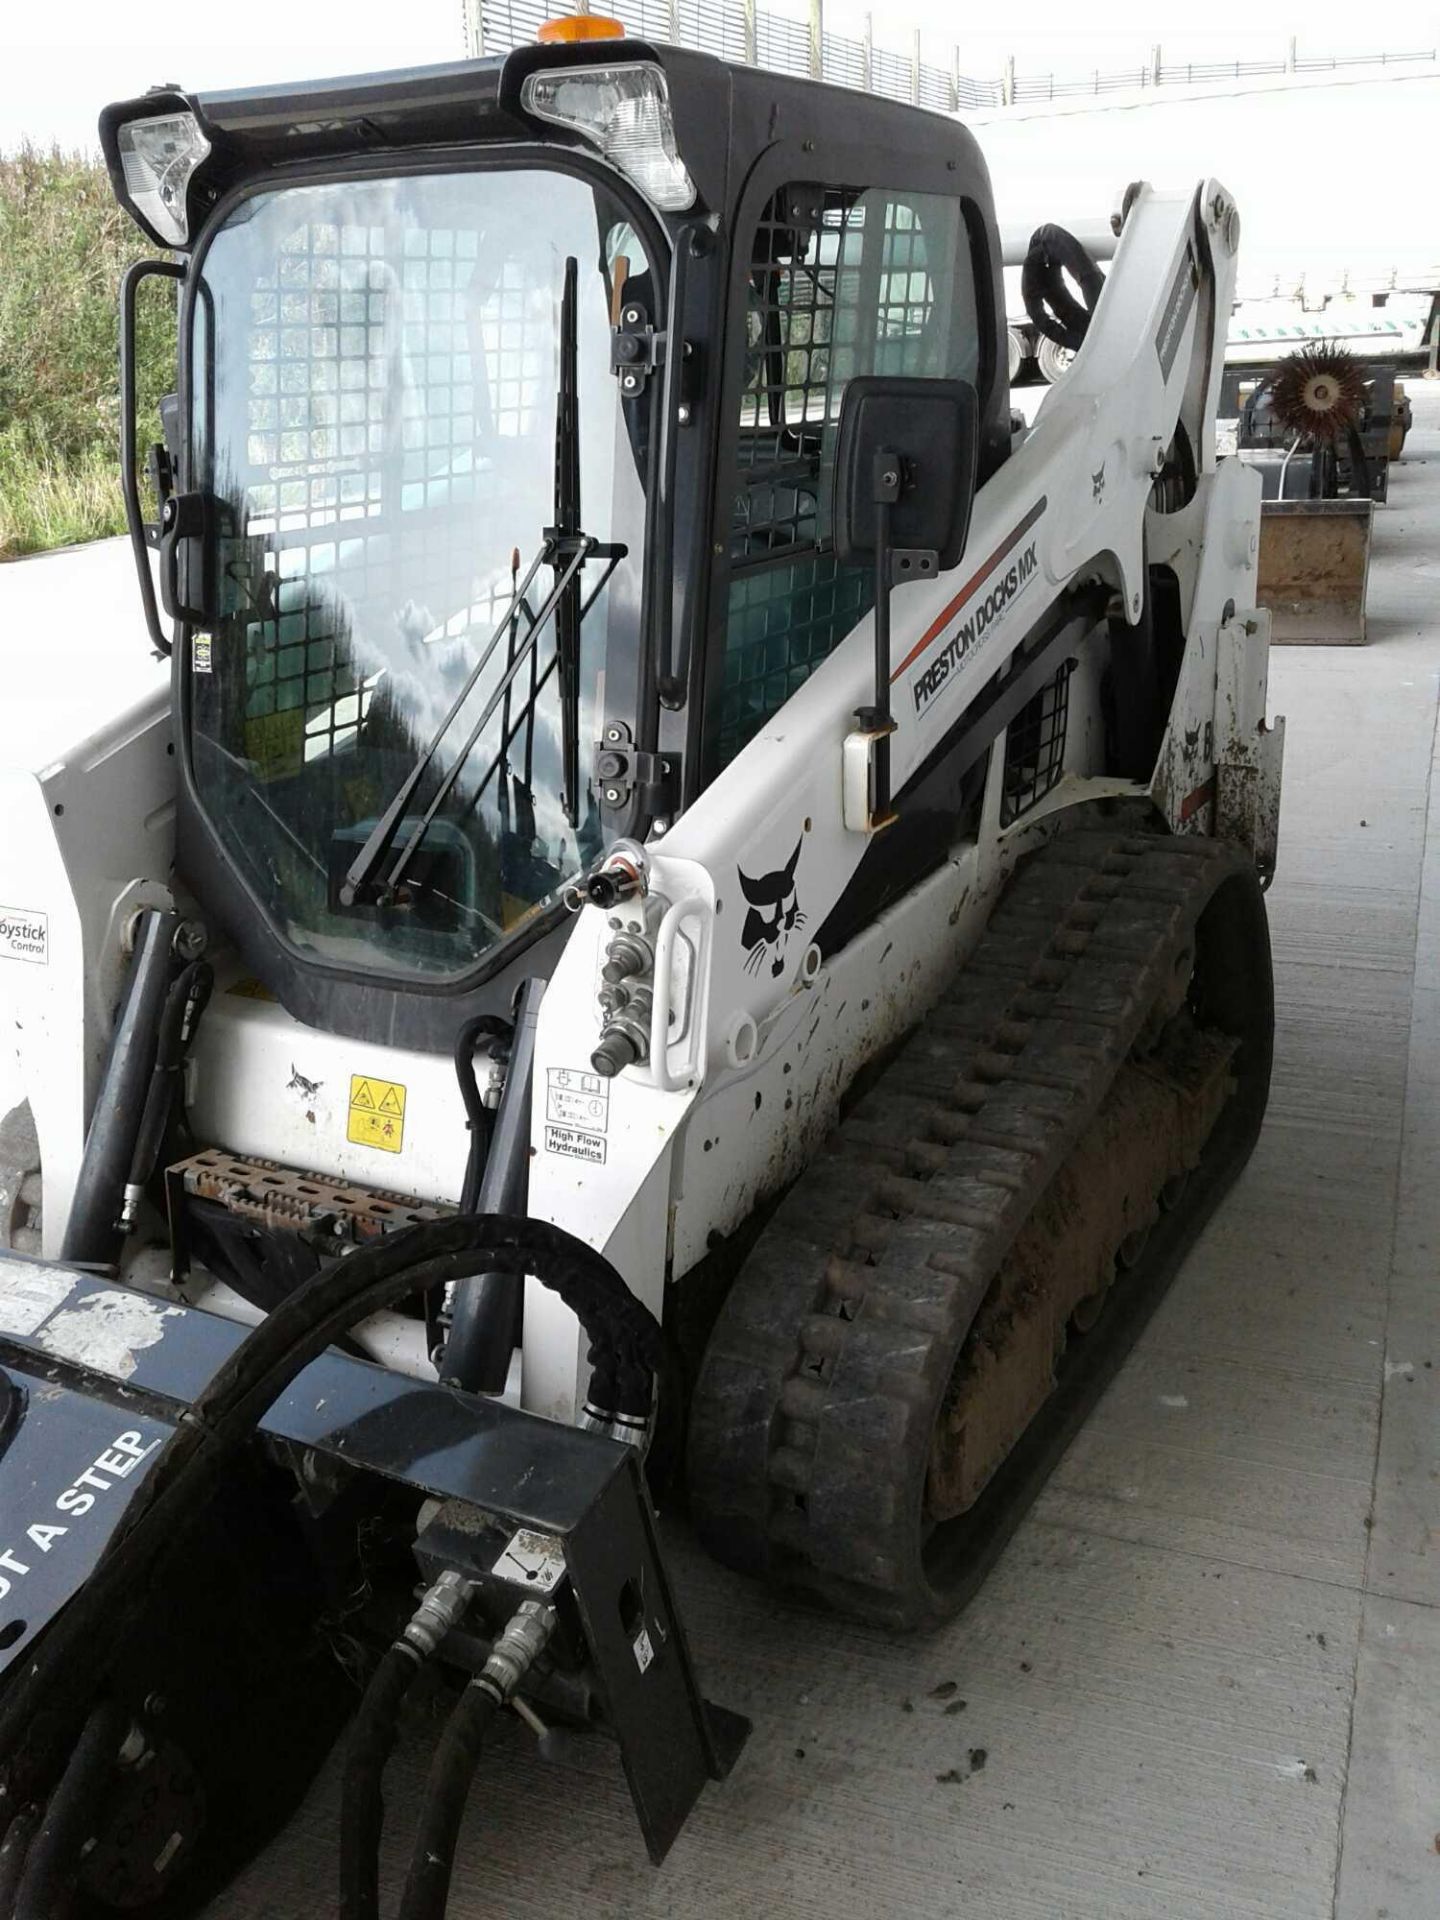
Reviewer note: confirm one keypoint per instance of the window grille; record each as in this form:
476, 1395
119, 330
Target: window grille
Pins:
1035, 747
385, 352
842, 282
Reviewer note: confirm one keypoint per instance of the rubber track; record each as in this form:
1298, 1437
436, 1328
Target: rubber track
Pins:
815, 1409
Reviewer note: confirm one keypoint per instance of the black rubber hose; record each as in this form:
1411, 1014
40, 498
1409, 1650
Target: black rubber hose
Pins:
46, 1886
1051, 306
362, 1802
92, 1233
46, 1699
484, 1026
234, 1401
190, 989
457, 1754
619, 1386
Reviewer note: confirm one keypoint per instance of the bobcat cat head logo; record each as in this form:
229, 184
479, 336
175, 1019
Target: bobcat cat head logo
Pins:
1097, 483
774, 913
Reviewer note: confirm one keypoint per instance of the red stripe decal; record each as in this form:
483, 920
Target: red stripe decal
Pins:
1200, 797
942, 620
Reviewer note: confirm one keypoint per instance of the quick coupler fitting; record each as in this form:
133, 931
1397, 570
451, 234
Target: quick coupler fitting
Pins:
518, 1647
629, 956
442, 1609
625, 1037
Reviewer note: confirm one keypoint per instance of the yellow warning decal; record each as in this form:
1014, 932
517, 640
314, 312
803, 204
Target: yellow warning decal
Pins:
377, 1113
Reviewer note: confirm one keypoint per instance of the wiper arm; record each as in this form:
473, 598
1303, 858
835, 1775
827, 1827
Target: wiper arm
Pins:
382, 834
565, 550
565, 574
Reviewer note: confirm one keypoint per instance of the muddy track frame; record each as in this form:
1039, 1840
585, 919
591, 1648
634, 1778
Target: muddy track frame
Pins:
816, 1405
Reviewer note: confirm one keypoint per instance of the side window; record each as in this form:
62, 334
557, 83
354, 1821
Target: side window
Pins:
843, 281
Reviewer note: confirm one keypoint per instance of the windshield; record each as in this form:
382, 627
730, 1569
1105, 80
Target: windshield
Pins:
376, 366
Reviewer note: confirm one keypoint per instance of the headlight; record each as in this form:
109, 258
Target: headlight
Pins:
158, 158
625, 112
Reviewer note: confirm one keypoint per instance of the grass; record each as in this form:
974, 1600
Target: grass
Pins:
65, 244
48, 502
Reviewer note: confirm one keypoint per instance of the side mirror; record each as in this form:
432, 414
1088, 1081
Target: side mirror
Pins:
905, 467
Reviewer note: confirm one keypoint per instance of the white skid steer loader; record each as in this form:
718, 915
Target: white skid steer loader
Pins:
695, 906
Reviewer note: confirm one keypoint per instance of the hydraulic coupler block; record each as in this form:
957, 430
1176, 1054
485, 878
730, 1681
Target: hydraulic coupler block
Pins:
627, 995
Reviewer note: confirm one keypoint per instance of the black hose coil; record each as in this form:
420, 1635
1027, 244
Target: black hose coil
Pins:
1053, 309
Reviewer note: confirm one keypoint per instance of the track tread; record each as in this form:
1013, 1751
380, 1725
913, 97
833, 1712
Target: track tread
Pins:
840, 1334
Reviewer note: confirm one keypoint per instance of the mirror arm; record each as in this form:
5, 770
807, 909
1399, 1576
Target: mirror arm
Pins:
904, 476
876, 718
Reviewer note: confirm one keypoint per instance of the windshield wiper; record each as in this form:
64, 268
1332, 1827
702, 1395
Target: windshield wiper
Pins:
565, 550
567, 528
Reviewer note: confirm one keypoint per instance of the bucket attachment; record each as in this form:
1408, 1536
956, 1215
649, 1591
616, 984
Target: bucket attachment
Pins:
1314, 566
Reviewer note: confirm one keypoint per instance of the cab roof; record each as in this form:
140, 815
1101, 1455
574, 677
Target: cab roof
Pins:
725, 116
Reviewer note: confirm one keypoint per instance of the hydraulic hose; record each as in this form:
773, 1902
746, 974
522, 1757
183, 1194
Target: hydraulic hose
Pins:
46, 1883
480, 1125
1052, 308
92, 1234
620, 1387
486, 1309
189, 994
478, 1118
362, 1806
50, 1696
457, 1754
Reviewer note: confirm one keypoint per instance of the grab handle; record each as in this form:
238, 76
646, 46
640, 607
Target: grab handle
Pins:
140, 534
693, 908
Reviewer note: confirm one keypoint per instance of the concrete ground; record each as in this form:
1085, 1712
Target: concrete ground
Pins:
1204, 1679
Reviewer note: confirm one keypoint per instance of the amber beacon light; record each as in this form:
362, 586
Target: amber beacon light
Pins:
573, 27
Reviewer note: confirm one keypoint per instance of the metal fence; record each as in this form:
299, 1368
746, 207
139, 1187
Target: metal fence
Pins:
1022, 89
741, 31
